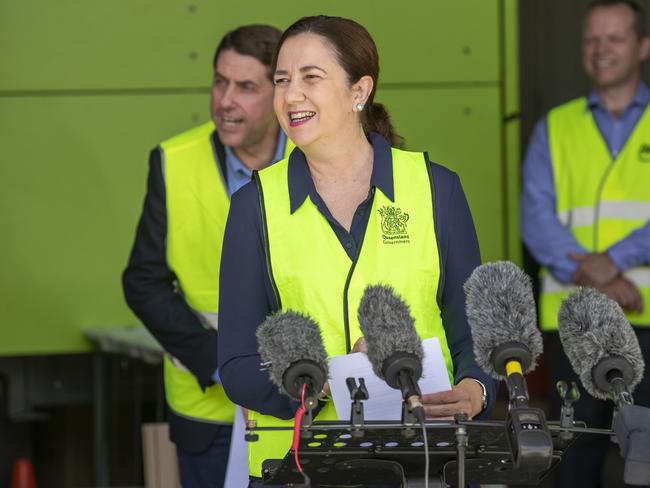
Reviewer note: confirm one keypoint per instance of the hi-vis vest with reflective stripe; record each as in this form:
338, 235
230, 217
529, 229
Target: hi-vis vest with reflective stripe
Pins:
599, 199
313, 274
197, 208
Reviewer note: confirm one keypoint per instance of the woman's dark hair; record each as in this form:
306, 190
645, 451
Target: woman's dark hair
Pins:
258, 40
357, 55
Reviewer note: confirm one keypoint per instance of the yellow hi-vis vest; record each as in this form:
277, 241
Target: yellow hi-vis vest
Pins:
599, 199
313, 274
197, 208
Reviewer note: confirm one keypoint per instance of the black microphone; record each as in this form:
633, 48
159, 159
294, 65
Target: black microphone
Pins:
292, 347
394, 347
502, 316
601, 345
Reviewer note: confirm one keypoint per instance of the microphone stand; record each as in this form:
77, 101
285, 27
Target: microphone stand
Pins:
461, 446
307, 421
357, 394
372, 458
568, 396
411, 395
620, 392
408, 420
530, 440
311, 401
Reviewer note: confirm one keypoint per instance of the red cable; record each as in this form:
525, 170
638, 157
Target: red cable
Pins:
296, 429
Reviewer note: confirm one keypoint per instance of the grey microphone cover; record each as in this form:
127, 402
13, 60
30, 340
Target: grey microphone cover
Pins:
501, 309
387, 325
593, 327
286, 337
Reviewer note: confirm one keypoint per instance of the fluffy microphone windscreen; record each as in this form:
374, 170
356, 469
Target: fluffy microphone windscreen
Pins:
593, 327
501, 309
286, 337
387, 325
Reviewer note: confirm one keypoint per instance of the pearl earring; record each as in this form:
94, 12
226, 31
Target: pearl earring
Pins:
359, 107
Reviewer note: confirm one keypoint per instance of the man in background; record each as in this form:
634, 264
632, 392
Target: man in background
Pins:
586, 208
172, 279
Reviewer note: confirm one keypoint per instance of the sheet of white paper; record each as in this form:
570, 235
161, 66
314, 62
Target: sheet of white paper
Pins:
385, 403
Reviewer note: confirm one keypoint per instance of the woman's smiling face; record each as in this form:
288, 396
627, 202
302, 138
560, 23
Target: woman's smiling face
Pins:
313, 99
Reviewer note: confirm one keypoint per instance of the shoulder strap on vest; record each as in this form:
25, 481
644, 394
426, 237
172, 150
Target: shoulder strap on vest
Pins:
219, 154
265, 238
441, 282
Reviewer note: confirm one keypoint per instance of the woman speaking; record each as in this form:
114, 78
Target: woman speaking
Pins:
347, 209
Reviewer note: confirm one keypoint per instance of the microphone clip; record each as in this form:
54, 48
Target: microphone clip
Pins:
307, 421
358, 393
569, 396
408, 420
251, 435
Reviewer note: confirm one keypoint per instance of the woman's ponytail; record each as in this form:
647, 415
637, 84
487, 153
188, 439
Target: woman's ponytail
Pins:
377, 119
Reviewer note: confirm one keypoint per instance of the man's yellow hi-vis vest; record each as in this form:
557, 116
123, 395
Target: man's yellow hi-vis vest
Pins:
313, 274
600, 200
197, 209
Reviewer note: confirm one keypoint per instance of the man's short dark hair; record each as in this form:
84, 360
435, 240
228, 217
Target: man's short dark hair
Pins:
258, 40
639, 14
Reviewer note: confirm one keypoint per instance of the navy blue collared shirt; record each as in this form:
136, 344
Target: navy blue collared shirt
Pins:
246, 295
302, 186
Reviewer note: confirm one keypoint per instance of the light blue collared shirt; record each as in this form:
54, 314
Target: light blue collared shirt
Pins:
237, 174
546, 238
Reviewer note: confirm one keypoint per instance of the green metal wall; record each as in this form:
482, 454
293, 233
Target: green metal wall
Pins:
88, 88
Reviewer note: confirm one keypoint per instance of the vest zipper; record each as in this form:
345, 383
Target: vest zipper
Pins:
599, 192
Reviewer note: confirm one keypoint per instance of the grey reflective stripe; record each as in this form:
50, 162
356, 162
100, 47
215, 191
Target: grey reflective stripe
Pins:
584, 216
640, 276
577, 217
177, 363
210, 319
551, 285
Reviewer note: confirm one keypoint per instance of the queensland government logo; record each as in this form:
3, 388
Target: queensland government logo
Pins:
393, 225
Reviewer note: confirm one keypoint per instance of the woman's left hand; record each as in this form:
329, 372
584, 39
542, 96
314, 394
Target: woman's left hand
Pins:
466, 397
360, 345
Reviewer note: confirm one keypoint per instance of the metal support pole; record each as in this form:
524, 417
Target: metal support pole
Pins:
99, 433
461, 448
